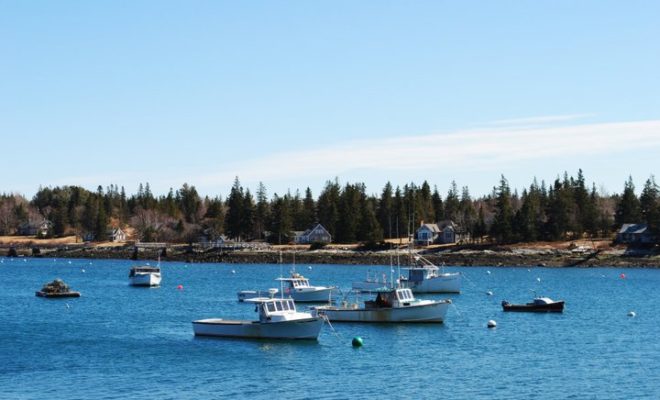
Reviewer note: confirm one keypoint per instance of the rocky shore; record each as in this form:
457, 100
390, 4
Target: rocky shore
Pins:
486, 256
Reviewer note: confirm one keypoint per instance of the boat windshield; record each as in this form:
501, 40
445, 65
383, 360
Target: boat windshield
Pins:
405, 294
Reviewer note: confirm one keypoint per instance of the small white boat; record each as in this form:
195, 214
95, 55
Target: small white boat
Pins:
144, 275
244, 295
426, 277
278, 319
300, 290
390, 305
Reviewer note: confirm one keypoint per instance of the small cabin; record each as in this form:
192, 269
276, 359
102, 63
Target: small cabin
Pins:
277, 309
387, 299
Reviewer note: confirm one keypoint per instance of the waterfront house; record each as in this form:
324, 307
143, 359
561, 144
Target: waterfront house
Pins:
427, 234
116, 235
445, 232
317, 234
31, 228
452, 232
634, 234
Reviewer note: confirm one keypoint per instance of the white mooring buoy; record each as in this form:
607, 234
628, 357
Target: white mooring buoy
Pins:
489, 293
492, 323
632, 314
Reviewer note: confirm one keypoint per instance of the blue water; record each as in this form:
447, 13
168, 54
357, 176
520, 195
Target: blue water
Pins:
118, 342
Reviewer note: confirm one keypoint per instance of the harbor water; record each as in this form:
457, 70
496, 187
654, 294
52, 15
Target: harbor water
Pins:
122, 342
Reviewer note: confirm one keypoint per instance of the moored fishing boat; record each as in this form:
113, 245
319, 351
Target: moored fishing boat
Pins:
298, 287
390, 305
426, 277
278, 319
144, 275
539, 304
56, 289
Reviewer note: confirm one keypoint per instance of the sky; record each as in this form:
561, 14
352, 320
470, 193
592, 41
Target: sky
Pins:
296, 93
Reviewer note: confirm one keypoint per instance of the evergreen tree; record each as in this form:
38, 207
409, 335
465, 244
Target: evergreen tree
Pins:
189, 203
452, 203
247, 216
650, 206
308, 210
349, 209
438, 206
628, 208
234, 215
369, 230
328, 207
385, 211
502, 229
281, 223
262, 211
424, 204
467, 213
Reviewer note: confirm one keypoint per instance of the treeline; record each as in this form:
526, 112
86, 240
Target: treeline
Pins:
566, 209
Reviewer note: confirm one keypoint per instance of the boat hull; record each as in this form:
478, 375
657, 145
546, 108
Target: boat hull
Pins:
433, 312
443, 283
57, 295
308, 328
304, 295
152, 279
539, 308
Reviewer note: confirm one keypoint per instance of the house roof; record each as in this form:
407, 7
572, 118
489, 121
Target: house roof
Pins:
430, 227
633, 228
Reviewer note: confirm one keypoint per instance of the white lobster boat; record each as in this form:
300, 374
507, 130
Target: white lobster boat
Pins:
390, 305
426, 277
298, 287
144, 275
278, 319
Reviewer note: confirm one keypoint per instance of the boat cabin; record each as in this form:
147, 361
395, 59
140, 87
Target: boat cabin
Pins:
271, 310
539, 301
391, 298
297, 281
143, 270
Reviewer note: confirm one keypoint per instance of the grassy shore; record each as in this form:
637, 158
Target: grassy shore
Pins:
555, 254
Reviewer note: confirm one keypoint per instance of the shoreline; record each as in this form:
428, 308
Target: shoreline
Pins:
524, 257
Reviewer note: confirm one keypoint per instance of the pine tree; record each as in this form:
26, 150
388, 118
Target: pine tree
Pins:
502, 229
234, 215
262, 212
281, 223
328, 207
650, 206
452, 203
385, 211
438, 205
628, 208
247, 216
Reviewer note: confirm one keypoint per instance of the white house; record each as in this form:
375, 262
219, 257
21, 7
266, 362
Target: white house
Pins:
116, 235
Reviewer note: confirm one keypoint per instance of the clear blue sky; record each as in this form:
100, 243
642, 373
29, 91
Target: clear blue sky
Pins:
297, 93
